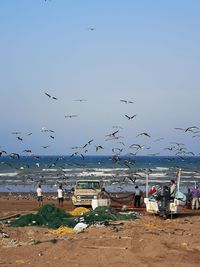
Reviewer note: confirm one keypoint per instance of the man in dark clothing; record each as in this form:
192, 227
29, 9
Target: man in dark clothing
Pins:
137, 197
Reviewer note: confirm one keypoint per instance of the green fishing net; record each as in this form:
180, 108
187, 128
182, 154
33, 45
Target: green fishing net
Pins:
52, 217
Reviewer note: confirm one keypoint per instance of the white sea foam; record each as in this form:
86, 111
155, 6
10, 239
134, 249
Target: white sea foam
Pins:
50, 170
93, 174
161, 168
158, 174
9, 174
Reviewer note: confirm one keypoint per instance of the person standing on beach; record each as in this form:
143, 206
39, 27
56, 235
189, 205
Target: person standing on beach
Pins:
195, 197
137, 197
172, 187
60, 196
39, 195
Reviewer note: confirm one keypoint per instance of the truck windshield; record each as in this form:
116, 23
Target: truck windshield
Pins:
88, 185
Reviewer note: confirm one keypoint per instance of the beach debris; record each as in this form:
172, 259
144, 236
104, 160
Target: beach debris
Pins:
124, 208
37, 242
63, 230
40, 254
20, 261
79, 211
80, 227
4, 234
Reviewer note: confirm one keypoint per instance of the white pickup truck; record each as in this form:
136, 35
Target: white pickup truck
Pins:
85, 191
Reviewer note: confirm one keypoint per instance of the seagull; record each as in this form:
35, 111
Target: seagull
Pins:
14, 155
80, 100
130, 117
116, 148
44, 129
126, 101
52, 97
99, 147
132, 179
113, 134
178, 128
191, 128
45, 146
145, 134
91, 29
159, 139
71, 116
169, 148
16, 132
136, 146
27, 151
90, 141
2, 152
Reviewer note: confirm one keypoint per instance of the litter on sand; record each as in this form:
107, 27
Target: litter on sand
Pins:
79, 211
63, 230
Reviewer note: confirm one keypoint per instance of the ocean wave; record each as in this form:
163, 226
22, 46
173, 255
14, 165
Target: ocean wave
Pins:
8, 174
161, 168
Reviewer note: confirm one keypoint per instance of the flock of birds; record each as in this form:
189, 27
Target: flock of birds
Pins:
121, 154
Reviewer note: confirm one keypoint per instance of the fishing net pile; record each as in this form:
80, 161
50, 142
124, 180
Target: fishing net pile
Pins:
48, 216
52, 217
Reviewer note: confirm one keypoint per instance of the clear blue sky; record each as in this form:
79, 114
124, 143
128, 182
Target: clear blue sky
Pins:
143, 51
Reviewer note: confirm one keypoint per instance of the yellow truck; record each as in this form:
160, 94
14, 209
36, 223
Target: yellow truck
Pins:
85, 191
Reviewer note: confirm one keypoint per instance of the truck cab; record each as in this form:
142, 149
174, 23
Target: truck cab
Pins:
85, 191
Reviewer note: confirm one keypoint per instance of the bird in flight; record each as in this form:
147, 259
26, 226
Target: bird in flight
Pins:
126, 101
27, 151
138, 146
2, 152
130, 117
159, 139
16, 132
44, 129
189, 129
99, 147
44, 147
80, 100
14, 155
91, 29
145, 134
52, 97
19, 138
113, 134
71, 116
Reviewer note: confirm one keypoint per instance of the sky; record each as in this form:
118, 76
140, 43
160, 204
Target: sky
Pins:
102, 51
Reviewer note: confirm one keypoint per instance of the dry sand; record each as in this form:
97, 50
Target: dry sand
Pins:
148, 241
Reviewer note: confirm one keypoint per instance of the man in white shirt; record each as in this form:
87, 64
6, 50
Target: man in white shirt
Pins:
39, 195
60, 196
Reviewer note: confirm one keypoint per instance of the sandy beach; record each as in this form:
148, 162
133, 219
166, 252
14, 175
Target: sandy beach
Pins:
147, 241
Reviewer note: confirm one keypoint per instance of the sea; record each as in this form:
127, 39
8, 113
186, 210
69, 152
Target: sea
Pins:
117, 174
